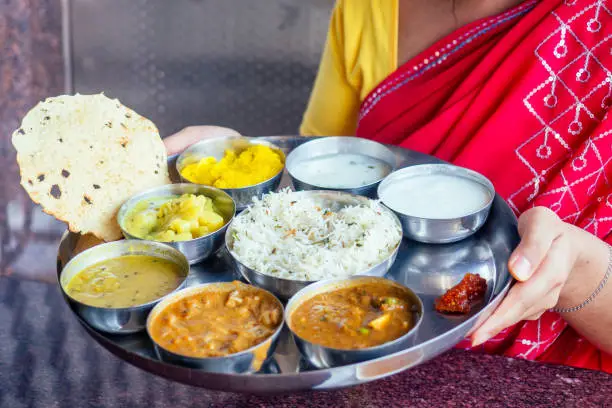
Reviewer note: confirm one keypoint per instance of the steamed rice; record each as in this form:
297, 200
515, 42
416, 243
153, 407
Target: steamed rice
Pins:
289, 236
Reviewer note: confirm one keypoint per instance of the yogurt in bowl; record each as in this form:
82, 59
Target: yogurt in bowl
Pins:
436, 196
438, 203
342, 170
348, 164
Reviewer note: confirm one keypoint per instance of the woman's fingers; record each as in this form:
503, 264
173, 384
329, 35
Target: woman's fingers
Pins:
535, 316
538, 228
179, 141
528, 300
509, 312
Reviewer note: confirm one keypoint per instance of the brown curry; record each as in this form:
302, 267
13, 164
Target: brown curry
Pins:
217, 323
355, 317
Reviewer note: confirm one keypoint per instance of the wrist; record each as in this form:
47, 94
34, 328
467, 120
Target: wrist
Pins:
580, 240
590, 261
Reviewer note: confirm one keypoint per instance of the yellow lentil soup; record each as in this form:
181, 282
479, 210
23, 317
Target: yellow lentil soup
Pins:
251, 166
125, 281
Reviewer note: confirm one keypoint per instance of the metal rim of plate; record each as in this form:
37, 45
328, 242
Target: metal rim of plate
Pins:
429, 270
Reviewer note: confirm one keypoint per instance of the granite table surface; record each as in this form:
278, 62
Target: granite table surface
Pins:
47, 359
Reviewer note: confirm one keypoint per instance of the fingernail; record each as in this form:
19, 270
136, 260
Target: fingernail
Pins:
520, 268
478, 339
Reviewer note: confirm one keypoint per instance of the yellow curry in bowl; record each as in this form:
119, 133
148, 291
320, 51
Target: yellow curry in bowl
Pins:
125, 281
216, 320
354, 317
173, 218
248, 167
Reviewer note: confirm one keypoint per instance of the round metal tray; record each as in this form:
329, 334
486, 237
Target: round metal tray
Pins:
429, 270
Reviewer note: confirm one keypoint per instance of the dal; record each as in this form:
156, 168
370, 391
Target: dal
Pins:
125, 281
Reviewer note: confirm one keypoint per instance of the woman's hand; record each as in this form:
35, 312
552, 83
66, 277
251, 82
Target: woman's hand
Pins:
179, 141
548, 252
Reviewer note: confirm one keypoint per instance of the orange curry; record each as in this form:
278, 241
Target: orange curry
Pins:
355, 317
217, 323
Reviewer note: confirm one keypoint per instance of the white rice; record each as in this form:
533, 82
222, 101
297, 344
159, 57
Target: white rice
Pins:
289, 236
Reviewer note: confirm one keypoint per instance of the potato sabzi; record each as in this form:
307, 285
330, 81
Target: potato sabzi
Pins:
168, 219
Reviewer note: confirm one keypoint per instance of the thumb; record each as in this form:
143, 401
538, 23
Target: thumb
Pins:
538, 228
179, 141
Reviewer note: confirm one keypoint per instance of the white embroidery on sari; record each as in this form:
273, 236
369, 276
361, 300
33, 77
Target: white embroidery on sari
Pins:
537, 152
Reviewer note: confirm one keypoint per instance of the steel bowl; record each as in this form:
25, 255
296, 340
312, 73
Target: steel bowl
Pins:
285, 288
216, 147
196, 249
326, 357
246, 361
439, 230
119, 320
326, 146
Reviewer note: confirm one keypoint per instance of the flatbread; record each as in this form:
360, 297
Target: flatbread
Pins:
82, 156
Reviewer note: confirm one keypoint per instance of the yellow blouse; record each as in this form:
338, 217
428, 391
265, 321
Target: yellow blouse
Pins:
360, 51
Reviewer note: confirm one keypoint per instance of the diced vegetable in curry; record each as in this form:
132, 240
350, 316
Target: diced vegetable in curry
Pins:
355, 317
217, 323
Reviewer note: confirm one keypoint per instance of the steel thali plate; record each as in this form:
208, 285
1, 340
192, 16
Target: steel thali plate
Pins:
429, 270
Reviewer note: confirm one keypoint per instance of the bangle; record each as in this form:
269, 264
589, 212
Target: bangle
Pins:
594, 294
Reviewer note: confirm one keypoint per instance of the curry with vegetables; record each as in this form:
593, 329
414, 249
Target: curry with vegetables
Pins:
217, 322
125, 281
355, 317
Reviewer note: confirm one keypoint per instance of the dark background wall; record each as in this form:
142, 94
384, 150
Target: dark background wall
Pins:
246, 64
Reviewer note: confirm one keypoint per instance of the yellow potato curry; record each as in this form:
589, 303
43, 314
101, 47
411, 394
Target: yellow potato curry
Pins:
217, 323
253, 165
354, 317
172, 219
125, 281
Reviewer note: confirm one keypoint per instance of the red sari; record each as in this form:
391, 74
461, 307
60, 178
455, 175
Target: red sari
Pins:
522, 97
